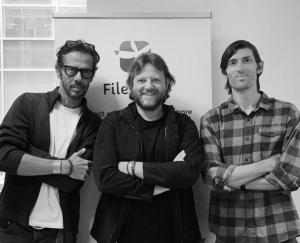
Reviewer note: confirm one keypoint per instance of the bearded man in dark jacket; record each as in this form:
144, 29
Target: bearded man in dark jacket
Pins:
146, 159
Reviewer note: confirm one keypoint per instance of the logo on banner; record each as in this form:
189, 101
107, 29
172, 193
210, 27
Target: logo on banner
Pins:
129, 50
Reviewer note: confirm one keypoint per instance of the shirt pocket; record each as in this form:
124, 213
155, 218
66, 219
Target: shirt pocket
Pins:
271, 131
270, 140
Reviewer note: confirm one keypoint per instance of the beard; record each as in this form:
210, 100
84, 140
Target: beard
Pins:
75, 92
150, 103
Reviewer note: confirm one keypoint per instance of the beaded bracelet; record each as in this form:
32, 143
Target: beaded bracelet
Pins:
133, 168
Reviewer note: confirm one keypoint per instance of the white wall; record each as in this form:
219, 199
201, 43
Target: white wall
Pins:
272, 26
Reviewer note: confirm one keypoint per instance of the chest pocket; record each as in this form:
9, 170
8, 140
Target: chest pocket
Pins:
272, 131
270, 140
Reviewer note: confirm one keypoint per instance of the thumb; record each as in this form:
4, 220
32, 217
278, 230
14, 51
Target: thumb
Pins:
80, 152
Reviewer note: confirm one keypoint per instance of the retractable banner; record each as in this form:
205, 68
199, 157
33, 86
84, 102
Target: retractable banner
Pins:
184, 42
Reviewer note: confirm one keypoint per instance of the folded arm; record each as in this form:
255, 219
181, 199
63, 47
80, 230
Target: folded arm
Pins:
73, 170
183, 173
81, 160
286, 174
18, 156
135, 168
229, 176
244, 174
107, 176
261, 184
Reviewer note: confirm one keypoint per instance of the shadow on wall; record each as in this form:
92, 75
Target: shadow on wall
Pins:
89, 197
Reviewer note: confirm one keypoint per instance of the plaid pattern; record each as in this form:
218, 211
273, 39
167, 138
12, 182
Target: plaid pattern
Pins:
233, 138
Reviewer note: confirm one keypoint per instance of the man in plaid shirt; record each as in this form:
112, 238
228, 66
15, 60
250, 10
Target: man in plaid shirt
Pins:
252, 151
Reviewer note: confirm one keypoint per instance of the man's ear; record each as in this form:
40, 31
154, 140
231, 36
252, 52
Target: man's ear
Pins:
168, 83
224, 74
95, 70
260, 67
58, 71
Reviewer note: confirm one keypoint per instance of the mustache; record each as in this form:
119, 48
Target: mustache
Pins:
150, 92
77, 86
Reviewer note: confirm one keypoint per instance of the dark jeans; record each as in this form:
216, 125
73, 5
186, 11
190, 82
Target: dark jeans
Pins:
16, 233
288, 241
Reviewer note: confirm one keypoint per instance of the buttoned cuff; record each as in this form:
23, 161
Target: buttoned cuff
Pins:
280, 177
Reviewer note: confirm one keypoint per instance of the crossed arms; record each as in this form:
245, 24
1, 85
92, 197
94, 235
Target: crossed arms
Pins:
277, 172
115, 146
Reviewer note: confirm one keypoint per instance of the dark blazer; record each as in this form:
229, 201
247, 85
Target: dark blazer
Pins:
26, 129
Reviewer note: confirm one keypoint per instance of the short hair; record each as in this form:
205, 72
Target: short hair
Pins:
157, 61
78, 45
230, 51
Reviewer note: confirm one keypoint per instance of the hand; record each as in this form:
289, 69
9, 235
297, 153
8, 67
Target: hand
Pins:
122, 166
159, 190
274, 161
81, 167
180, 156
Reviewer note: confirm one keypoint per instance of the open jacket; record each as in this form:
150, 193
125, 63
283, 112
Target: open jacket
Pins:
26, 129
119, 139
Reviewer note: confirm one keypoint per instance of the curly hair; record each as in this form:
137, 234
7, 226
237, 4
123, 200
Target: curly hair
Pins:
78, 45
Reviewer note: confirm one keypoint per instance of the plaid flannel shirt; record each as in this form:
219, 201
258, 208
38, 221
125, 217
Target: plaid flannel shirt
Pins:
232, 138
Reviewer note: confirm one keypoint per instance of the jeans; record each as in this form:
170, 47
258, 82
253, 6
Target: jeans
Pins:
288, 241
16, 233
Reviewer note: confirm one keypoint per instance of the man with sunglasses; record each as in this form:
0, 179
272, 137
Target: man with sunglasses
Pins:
46, 142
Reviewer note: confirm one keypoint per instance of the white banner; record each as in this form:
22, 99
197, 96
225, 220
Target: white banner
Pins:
185, 45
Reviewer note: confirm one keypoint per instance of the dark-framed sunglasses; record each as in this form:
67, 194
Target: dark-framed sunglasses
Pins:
72, 71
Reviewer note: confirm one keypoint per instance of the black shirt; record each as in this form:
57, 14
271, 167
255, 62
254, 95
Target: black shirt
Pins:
150, 222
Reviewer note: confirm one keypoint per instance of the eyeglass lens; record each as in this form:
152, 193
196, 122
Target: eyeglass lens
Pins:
72, 71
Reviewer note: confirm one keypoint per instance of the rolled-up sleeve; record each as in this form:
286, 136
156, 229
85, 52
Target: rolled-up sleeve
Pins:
14, 135
287, 173
212, 156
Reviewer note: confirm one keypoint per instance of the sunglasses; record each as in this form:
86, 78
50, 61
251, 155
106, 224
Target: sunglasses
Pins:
72, 44
72, 71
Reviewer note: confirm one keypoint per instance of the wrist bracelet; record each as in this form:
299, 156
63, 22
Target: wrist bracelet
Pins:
127, 169
130, 167
133, 168
60, 167
56, 167
71, 167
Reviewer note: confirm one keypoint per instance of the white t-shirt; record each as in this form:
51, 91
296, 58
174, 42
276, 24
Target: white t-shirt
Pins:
63, 122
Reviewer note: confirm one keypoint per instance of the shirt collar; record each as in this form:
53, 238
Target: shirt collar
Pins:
265, 103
